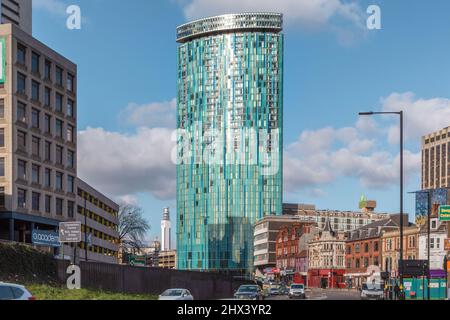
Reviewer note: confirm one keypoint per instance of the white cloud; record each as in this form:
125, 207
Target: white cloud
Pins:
422, 116
325, 155
344, 18
158, 114
56, 7
126, 164
321, 157
128, 199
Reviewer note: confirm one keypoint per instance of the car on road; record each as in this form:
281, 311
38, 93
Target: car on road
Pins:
9, 291
274, 291
176, 294
297, 291
372, 292
249, 292
284, 291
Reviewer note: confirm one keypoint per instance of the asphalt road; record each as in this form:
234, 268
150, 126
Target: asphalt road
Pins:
327, 294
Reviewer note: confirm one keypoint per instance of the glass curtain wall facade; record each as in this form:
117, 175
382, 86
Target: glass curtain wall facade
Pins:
229, 120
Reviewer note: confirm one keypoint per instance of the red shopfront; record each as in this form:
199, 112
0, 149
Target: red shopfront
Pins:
326, 278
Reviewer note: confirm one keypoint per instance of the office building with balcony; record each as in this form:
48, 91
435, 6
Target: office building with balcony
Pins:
99, 217
38, 141
229, 119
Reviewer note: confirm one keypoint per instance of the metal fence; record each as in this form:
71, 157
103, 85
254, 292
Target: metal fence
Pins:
142, 280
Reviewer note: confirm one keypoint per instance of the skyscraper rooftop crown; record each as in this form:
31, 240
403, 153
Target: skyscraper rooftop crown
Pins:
230, 22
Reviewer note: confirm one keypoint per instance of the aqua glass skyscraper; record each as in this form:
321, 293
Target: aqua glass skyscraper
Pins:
229, 120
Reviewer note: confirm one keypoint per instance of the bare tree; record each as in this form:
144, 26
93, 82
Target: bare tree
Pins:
133, 228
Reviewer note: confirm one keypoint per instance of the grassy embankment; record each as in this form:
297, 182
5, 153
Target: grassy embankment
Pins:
24, 265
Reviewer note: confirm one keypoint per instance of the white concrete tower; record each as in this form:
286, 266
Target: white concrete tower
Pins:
165, 231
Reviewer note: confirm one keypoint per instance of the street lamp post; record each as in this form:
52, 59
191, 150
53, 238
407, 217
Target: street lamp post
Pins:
400, 113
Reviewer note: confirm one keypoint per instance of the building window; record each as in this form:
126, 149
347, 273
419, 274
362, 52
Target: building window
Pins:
48, 178
21, 112
59, 128
431, 243
58, 102
35, 173
2, 137
70, 159
59, 76
2, 108
36, 146
48, 123
433, 224
48, 151
21, 54
59, 155
21, 83
70, 209
35, 201
375, 246
48, 204
2, 167
70, 109
70, 82
35, 117
59, 206
70, 135
366, 247
35, 62
22, 169
35, 90
70, 184
357, 248
47, 97
48, 70
389, 244
2, 197
59, 181
22, 139
21, 198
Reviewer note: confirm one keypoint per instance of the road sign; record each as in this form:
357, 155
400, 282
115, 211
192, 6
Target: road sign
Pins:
414, 268
137, 261
70, 232
45, 238
444, 213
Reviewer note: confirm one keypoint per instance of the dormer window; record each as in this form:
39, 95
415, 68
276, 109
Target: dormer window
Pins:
434, 224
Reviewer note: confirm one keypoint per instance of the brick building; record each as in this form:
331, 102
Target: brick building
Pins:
364, 249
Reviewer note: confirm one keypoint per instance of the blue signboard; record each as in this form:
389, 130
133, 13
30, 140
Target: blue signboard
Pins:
438, 197
45, 238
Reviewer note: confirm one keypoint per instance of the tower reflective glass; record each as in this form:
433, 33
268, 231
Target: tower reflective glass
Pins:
229, 120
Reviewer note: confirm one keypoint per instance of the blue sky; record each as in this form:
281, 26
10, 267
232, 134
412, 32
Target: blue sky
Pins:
334, 68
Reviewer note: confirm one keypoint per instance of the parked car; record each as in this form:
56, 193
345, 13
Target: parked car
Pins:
176, 294
372, 292
9, 291
249, 292
297, 291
